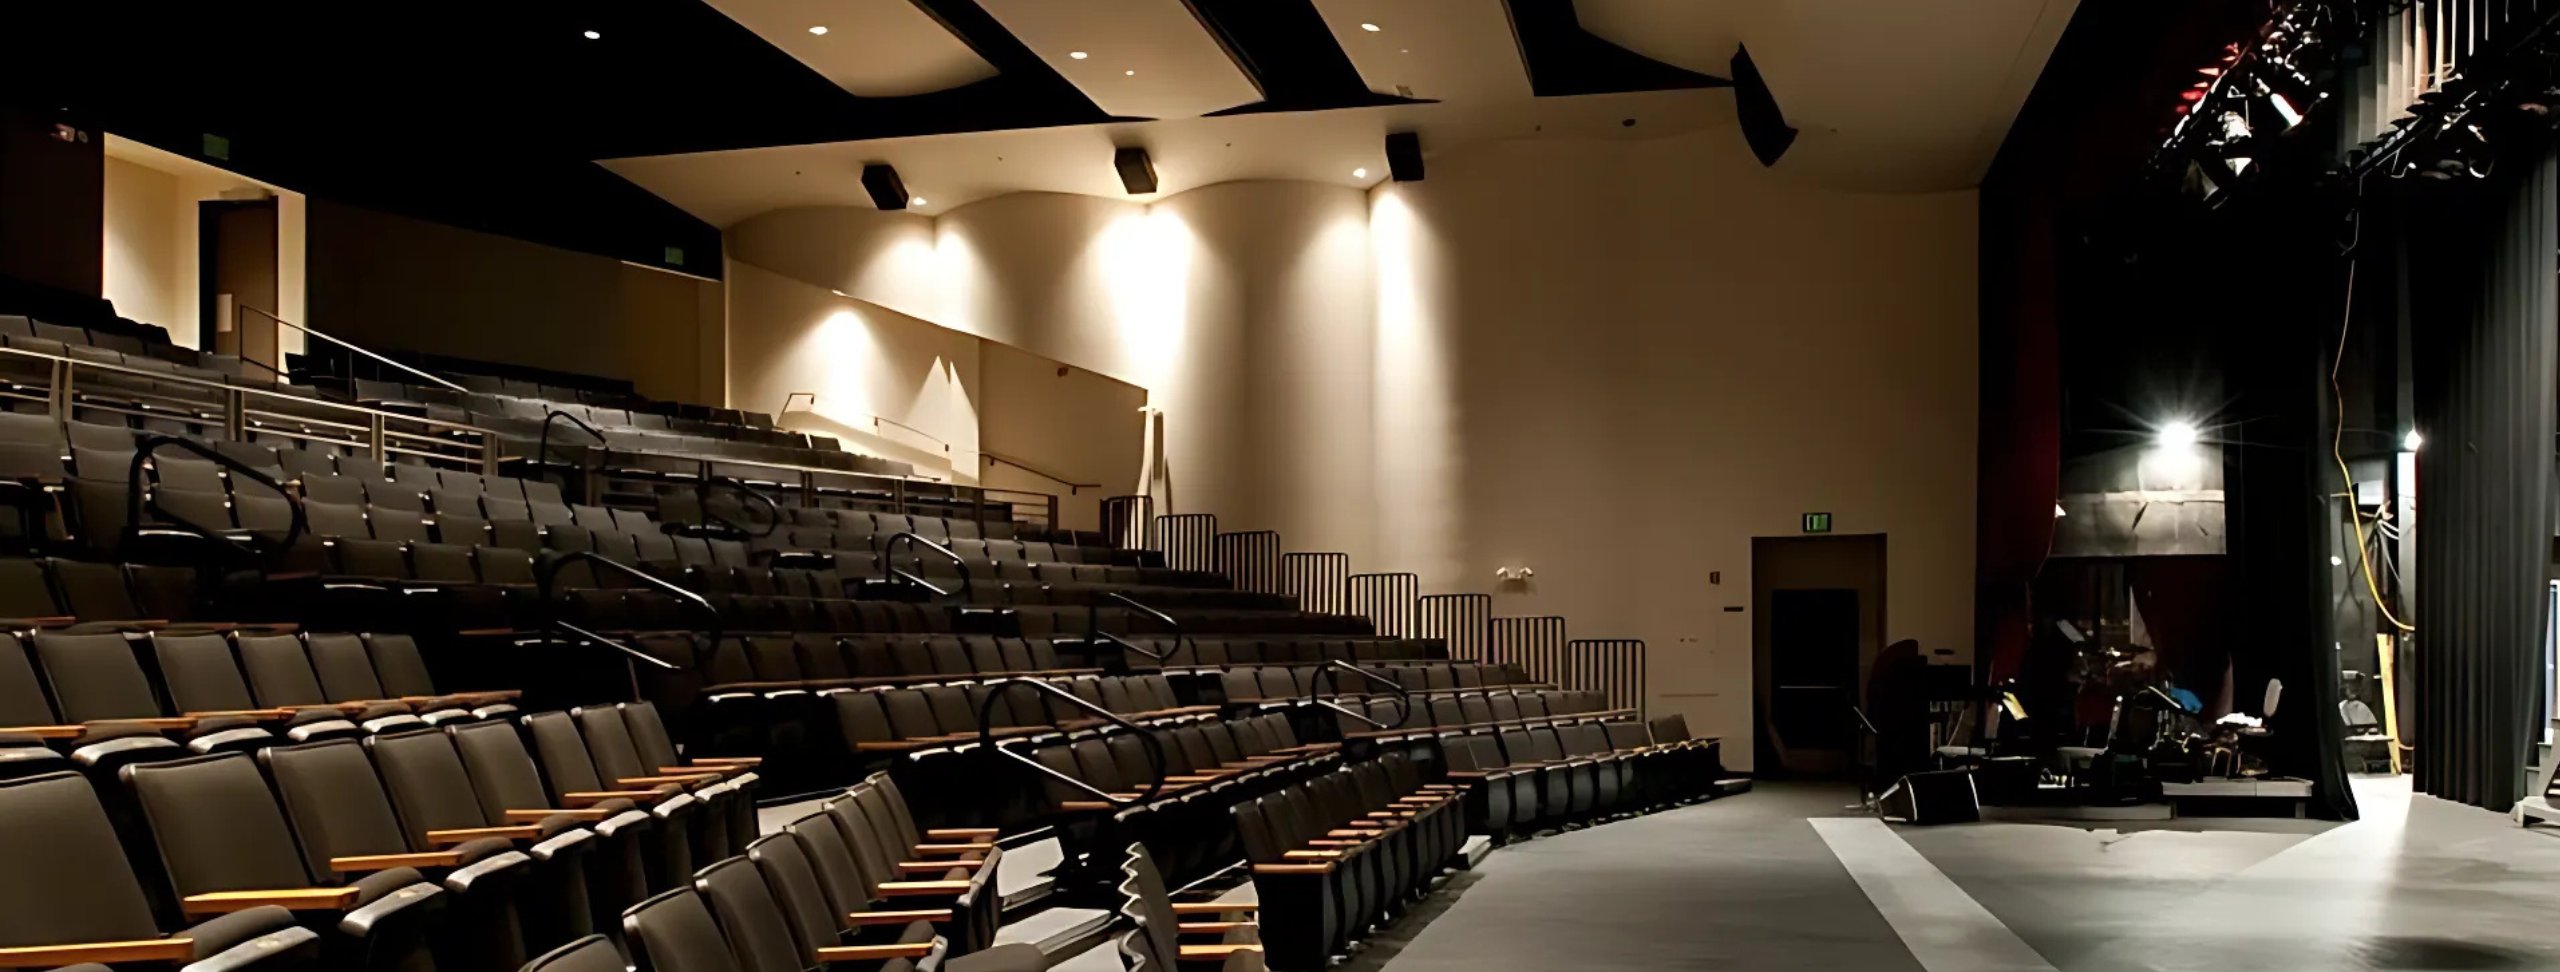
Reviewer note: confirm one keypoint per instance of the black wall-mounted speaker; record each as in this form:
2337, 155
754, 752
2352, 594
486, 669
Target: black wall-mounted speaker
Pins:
1137, 171
887, 190
1763, 126
1404, 156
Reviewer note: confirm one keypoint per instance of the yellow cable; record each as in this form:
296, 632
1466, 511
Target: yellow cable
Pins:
2337, 452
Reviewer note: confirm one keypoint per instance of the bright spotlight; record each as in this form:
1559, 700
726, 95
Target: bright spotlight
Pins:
2177, 434
2411, 441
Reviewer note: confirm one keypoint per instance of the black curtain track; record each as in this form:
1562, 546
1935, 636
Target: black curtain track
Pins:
2481, 262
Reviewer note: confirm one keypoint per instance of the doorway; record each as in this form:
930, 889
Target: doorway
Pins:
1818, 623
236, 247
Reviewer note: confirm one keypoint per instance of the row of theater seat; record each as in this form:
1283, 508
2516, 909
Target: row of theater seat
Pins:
451, 842
1295, 683
1337, 854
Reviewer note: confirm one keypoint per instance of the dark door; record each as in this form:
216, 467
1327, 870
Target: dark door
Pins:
237, 247
1819, 603
1813, 678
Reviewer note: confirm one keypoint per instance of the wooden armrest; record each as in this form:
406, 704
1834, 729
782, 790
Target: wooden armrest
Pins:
963, 833
687, 779
366, 863
599, 796
291, 899
1332, 842
954, 848
468, 834
874, 953
1354, 832
47, 732
1086, 806
1468, 774
886, 746
1314, 855
935, 867
584, 814
1215, 907
105, 953
1212, 927
1220, 950
864, 919
163, 723
1192, 779
725, 761
258, 714
921, 888
713, 770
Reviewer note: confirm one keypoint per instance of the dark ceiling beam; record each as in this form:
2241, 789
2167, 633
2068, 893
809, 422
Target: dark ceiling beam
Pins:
1285, 48
1563, 59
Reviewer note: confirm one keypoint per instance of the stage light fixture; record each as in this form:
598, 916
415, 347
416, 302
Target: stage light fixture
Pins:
888, 192
1078, 55
820, 30
2177, 434
2412, 441
593, 35
1137, 170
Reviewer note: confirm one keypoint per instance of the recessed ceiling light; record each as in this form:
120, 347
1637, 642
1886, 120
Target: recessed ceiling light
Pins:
1372, 28
1360, 173
820, 30
1078, 55
592, 35
917, 201
1129, 74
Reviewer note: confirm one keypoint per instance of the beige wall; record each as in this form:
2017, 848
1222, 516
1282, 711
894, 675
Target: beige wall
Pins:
1614, 362
864, 363
1066, 422
152, 265
144, 249
385, 281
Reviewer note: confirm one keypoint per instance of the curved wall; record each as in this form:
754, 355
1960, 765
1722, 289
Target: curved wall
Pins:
1616, 362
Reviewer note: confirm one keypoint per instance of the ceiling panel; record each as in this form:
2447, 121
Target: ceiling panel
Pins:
1331, 147
1888, 94
1447, 50
1144, 58
872, 48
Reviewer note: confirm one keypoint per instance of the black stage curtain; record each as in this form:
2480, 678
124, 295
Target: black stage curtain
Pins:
2480, 262
2276, 462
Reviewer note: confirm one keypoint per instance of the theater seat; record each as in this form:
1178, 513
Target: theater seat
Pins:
594, 953
71, 886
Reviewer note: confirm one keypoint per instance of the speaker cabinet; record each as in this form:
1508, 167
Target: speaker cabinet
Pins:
1939, 797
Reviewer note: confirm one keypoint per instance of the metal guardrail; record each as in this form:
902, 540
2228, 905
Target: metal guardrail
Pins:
349, 345
773, 510
1093, 621
236, 412
987, 738
546, 576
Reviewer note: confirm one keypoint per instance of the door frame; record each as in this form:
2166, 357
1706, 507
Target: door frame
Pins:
1769, 576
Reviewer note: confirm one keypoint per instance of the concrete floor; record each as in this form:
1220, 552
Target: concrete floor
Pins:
1784, 878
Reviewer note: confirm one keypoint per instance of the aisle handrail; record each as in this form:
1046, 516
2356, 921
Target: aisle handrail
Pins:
151, 443
912, 539
1325, 672
349, 345
987, 738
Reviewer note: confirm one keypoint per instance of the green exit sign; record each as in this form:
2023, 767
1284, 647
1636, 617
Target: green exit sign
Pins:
216, 146
1817, 523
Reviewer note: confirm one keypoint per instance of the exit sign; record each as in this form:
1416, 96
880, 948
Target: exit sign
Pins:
1817, 523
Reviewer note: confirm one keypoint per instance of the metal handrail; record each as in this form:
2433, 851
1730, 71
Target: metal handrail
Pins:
1128, 645
615, 644
542, 446
882, 561
151, 443
269, 400
910, 577
1093, 620
351, 346
703, 493
987, 737
547, 571
1325, 672
1072, 487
